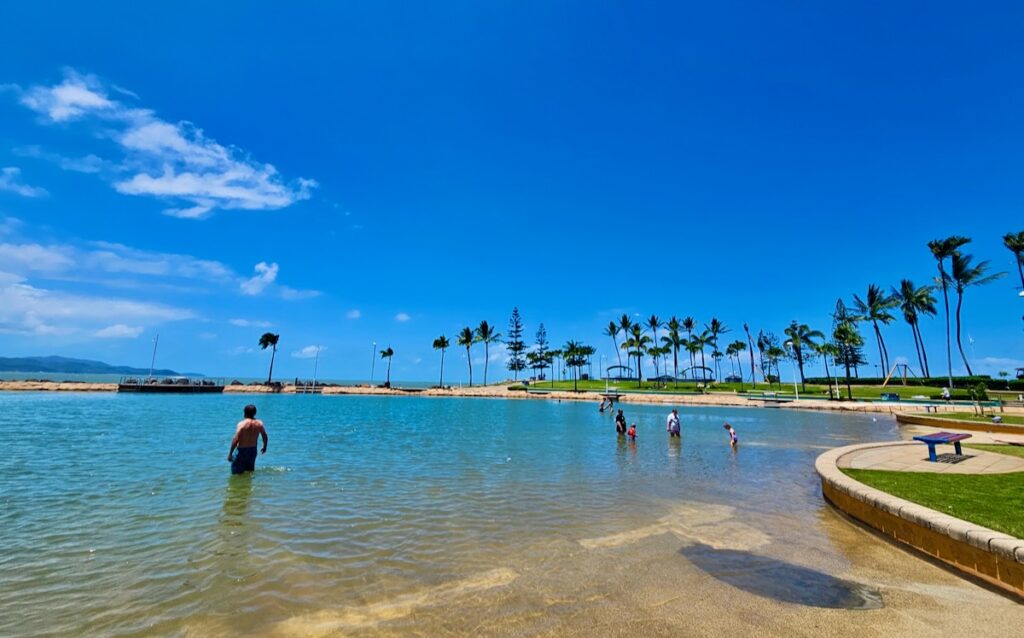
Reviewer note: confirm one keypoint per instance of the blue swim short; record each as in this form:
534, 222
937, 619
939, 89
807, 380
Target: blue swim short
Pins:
244, 461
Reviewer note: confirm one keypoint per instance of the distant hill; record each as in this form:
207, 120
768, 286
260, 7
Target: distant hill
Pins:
75, 366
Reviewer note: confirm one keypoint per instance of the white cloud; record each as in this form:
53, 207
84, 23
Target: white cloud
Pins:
10, 181
239, 350
174, 162
308, 352
87, 164
291, 294
9, 225
249, 323
265, 275
26, 309
353, 314
402, 317
34, 257
119, 331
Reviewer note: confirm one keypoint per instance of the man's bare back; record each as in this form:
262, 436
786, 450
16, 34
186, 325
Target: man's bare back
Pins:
248, 431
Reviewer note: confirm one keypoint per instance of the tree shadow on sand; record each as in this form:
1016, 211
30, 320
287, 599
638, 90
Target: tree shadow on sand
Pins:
782, 581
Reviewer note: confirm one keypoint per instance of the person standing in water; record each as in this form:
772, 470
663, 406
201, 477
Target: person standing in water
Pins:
620, 423
672, 424
733, 439
632, 433
247, 433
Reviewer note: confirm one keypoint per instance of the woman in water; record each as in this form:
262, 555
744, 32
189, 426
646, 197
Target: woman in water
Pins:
620, 423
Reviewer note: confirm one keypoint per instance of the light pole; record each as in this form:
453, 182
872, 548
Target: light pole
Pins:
316, 365
792, 362
373, 361
152, 362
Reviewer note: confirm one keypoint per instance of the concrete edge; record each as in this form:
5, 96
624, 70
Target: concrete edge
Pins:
953, 424
992, 556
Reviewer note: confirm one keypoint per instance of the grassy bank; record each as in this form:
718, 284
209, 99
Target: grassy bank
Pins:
975, 418
991, 500
689, 387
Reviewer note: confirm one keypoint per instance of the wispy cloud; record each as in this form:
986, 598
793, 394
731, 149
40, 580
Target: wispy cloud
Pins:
87, 164
265, 275
26, 309
402, 317
174, 162
353, 314
249, 323
119, 331
10, 180
308, 352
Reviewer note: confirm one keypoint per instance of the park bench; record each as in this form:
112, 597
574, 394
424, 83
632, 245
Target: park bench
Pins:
931, 440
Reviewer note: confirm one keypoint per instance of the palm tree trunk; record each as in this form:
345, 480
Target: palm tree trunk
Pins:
389, 372
675, 362
273, 354
924, 353
639, 363
617, 355
441, 382
849, 390
469, 360
959, 343
739, 364
878, 338
828, 377
949, 347
800, 366
1020, 269
487, 358
917, 347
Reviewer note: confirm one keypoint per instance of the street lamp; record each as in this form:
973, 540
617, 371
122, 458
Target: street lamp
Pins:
792, 362
316, 365
373, 361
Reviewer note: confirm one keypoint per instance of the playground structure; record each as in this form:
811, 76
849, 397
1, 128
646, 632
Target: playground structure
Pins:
619, 377
904, 369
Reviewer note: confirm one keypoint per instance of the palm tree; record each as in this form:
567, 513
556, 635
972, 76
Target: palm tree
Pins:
875, 307
485, 333
635, 346
826, 350
802, 336
964, 275
714, 329
847, 337
702, 340
693, 346
674, 340
575, 354
943, 249
915, 301
441, 343
1014, 242
613, 331
466, 340
750, 341
737, 347
387, 354
654, 322
552, 355
269, 340
689, 325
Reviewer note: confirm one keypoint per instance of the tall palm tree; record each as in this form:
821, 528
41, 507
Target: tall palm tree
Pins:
486, 334
574, 356
387, 354
466, 340
693, 346
1014, 242
737, 347
636, 346
714, 329
847, 337
269, 340
826, 350
943, 249
803, 339
915, 301
654, 322
965, 275
613, 331
750, 341
875, 307
674, 340
702, 340
441, 343
689, 325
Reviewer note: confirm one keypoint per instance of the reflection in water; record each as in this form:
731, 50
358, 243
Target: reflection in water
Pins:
782, 581
236, 500
675, 447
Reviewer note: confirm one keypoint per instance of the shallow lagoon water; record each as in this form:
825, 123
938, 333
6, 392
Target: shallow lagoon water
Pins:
395, 515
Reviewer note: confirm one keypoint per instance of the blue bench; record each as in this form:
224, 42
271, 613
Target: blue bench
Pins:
931, 440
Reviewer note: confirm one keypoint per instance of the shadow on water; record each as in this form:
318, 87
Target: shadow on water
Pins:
782, 581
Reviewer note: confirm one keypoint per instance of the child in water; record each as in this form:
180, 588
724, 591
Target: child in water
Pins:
733, 439
632, 432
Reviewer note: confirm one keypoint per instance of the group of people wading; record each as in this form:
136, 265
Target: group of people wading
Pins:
672, 426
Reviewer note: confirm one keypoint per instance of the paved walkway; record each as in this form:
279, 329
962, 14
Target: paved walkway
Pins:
913, 457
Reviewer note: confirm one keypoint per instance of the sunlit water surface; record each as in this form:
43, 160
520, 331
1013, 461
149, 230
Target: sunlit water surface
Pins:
118, 516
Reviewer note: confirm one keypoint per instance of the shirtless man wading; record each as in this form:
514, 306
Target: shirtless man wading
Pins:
246, 434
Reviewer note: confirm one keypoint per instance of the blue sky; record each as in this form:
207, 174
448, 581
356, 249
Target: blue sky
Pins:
359, 172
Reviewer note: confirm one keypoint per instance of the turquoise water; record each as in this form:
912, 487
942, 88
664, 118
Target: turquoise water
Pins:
118, 515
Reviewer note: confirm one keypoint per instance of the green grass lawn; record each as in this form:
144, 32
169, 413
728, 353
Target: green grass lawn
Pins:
816, 391
963, 416
1011, 450
991, 500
